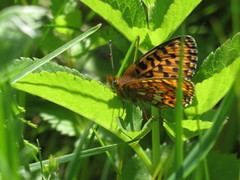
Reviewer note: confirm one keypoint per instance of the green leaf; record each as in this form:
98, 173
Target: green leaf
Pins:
215, 77
130, 19
133, 120
132, 12
191, 128
176, 13
220, 59
60, 118
48, 66
51, 80
127, 16
87, 98
210, 91
156, 11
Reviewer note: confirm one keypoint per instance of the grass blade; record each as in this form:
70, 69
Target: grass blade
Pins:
55, 53
202, 148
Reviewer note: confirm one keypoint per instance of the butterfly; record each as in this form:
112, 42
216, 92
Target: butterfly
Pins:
153, 78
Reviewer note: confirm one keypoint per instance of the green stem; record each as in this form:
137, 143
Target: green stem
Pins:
155, 138
127, 57
138, 149
143, 156
179, 113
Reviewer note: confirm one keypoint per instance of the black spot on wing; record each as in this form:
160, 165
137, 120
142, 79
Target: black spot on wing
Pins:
192, 53
163, 49
142, 65
148, 58
168, 62
165, 74
155, 54
137, 72
172, 55
160, 68
175, 69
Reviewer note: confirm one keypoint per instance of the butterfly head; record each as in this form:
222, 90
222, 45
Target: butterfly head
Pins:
112, 82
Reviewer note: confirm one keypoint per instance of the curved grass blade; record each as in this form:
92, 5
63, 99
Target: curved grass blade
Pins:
55, 53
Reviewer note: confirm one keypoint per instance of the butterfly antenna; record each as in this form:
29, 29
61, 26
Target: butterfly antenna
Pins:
111, 55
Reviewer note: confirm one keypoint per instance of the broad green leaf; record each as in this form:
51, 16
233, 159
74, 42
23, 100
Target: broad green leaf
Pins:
60, 118
48, 66
131, 123
177, 12
132, 12
215, 76
87, 98
210, 91
128, 17
191, 128
220, 59
156, 11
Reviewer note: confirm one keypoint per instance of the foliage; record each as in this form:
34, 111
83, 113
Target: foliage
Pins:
78, 116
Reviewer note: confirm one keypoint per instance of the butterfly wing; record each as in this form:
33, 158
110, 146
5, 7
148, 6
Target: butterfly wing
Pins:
163, 60
153, 78
158, 92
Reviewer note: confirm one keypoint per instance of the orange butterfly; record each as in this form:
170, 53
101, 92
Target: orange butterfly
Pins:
153, 77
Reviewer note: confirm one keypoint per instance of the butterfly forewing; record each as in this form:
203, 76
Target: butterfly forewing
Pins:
153, 78
163, 60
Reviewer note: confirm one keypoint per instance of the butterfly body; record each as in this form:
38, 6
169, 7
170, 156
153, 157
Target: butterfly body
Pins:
153, 78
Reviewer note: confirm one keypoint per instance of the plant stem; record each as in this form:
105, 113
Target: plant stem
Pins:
155, 138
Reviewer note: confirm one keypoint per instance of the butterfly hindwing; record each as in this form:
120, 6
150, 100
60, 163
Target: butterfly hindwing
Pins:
159, 92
